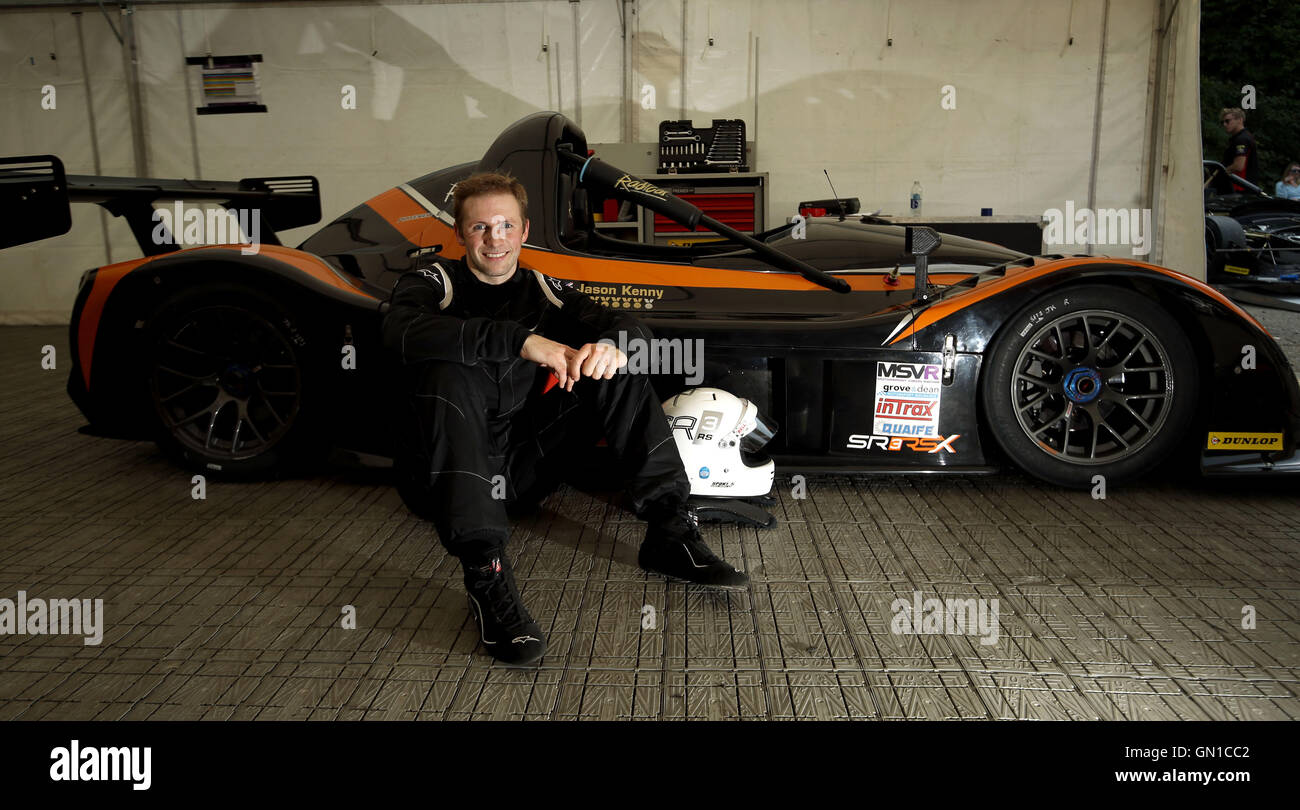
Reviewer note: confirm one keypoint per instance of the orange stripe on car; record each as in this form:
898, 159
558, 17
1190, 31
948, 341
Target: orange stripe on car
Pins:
411, 219
308, 263
1019, 275
625, 271
578, 268
570, 267
105, 280
583, 268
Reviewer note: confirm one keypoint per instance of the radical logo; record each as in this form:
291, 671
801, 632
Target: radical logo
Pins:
629, 183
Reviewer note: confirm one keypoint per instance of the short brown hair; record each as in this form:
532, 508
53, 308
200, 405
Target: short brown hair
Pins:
487, 183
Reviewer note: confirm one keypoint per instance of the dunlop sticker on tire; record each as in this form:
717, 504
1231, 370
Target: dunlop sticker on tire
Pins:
1244, 441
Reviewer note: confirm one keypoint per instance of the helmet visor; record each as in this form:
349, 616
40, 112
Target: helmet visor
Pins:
758, 438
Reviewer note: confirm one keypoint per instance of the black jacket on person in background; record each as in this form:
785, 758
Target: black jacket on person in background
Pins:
1243, 145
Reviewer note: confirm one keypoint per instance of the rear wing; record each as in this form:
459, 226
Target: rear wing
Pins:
35, 197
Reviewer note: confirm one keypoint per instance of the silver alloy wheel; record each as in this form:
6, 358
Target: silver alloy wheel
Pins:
1092, 387
226, 383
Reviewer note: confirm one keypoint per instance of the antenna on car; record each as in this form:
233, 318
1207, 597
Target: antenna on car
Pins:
838, 203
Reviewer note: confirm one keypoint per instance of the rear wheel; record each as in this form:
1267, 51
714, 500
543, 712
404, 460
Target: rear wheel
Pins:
1090, 381
227, 381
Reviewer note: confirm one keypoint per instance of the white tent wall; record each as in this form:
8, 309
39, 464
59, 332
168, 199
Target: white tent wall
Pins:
835, 94
39, 49
427, 93
829, 89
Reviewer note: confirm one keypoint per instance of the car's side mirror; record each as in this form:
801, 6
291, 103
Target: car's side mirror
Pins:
920, 242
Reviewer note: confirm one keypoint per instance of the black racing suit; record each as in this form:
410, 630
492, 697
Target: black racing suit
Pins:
479, 429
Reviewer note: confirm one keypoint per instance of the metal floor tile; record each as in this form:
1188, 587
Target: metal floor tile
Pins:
231, 607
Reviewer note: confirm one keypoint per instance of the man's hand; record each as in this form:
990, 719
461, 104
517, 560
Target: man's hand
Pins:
549, 354
595, 360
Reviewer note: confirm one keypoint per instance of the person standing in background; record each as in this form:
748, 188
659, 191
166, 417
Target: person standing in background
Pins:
1241, 156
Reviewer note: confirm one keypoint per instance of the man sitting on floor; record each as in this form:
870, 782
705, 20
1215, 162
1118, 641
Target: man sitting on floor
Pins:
478, 338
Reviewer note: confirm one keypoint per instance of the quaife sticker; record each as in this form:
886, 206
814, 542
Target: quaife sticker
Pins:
1244, 441
907, 399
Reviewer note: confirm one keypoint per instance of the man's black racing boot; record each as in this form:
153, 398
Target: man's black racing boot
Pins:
673, 547
509, 633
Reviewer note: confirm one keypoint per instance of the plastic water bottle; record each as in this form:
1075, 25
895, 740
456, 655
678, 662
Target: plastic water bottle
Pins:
916, 199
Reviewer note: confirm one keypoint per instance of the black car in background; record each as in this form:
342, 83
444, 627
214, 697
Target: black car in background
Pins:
1252, 241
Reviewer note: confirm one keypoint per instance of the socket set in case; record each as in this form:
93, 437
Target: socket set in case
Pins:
687, 149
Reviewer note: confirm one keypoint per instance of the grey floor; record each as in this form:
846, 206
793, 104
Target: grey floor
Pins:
230, 607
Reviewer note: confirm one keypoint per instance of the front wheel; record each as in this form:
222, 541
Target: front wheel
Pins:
1090, 381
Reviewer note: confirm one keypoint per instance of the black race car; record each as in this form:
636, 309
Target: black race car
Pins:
874, 347
1252, 241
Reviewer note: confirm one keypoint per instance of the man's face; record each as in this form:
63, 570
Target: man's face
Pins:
1232, 125
492, 230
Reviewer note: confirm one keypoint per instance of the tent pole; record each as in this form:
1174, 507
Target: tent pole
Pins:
1159, 129
131, 67
189, 101
682, 117
94, 132
1096, 118
577, 63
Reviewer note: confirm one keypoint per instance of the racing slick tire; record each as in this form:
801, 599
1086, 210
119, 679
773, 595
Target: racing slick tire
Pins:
228, 377
1090, 381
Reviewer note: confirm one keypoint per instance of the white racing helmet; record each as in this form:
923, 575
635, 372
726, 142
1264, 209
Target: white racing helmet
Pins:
715, 431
